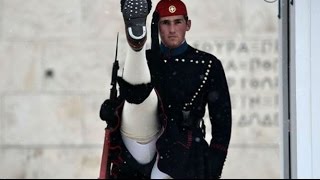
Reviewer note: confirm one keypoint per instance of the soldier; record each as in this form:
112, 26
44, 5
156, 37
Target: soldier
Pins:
159, 130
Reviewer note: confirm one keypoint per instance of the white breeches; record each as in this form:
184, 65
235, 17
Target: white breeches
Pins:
144, 153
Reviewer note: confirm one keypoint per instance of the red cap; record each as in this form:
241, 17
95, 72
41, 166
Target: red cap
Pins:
171, 8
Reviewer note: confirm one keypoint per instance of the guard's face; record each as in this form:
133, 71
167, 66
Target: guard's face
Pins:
173, 30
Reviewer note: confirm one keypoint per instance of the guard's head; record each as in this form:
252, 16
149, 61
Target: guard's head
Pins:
173, 22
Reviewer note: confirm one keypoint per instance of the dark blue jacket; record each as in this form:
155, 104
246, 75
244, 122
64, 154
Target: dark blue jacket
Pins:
189, 80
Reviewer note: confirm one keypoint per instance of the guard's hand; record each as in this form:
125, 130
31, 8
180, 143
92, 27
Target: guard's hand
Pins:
215, 163
108, 111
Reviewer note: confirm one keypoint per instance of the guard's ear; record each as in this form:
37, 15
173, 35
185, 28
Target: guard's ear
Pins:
188, 24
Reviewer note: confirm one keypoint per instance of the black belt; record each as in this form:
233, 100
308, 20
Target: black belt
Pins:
190, 121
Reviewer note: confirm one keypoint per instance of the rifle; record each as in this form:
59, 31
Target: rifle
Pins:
115, 68
105, 163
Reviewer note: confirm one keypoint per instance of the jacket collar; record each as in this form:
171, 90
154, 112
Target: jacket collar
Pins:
174, 52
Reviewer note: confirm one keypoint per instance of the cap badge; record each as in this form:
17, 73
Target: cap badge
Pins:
172, 9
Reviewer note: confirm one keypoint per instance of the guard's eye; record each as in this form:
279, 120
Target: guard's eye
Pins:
165, 22
179, 21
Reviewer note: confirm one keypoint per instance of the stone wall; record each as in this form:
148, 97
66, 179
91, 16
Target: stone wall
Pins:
55, 63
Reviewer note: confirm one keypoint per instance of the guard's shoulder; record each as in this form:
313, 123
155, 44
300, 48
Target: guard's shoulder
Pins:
204, 55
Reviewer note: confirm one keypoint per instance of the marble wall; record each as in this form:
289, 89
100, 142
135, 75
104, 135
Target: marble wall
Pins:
55, 63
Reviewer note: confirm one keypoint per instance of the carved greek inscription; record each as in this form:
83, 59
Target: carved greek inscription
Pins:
251, 67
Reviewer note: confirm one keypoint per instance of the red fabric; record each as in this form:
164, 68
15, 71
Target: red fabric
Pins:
171, 8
